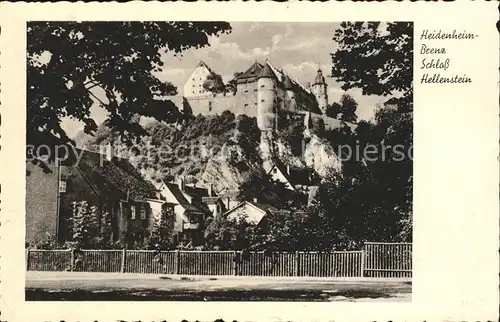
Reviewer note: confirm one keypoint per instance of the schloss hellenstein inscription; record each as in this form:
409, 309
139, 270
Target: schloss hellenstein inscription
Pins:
435, 58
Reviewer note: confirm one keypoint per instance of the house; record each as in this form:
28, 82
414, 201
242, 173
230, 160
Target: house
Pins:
109, 183
192, 206
293, 178
251, 211
300, 180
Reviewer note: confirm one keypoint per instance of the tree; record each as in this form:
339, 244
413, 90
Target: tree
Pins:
372, 197
84, 224
232, 234
214, 84
348, 109
72, 65
334, 110
161, 233
291, 129
232, 86
248, 137
378, 61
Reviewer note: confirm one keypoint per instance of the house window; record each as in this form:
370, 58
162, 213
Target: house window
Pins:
132, 212
143, 212
62, 186
209, 106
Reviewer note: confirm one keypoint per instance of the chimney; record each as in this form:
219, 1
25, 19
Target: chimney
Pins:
180, 183
210, 189
255, 200
288, 169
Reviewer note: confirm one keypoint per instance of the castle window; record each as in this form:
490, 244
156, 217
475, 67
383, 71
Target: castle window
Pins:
262, 101
62, 186
143, 212
209, 106
246, 105
255, 90
246, 91
261, 86
132, 212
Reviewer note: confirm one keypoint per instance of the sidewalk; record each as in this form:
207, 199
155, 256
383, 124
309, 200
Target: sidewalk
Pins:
280, 279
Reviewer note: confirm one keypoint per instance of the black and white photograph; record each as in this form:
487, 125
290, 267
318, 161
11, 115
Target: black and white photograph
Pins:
219, 161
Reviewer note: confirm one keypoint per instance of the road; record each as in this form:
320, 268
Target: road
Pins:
73, 286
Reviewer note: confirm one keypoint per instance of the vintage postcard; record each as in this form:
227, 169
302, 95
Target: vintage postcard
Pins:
249, 161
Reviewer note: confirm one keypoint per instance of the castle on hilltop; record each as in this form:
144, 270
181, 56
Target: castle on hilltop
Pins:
262, 87
262, 91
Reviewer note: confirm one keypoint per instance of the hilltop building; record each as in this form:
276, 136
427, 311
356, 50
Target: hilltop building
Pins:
262, 91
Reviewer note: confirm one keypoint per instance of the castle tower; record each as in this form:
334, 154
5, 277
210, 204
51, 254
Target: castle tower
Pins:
266, 102
319, 89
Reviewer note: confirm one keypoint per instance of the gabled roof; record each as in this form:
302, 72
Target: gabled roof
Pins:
181, 199
197, 192
202, 64
267, 72
252, 72
303, 177
116, 179
210, 199
287, 83
262, 210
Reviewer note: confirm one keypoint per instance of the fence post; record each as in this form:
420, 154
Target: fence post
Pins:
72, 260
124, 253
362, 266
177, 262
235, 264
27, 259
296, 268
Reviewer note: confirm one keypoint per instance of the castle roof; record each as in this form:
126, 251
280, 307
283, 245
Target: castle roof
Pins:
287, 83
267, 72
320, 79
252, 71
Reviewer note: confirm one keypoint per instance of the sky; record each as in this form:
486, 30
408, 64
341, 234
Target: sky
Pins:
298, 48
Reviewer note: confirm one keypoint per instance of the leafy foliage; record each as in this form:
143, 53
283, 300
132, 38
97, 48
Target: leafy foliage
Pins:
291, 129
344, 110
214, 84
84, 224
232, 234
259, 186
161, 234
71, 65
248, 137
378, 62
372, 198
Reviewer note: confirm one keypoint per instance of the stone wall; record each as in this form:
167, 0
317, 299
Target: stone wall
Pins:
244, 101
